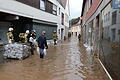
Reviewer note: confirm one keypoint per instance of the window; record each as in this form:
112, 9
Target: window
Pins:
104, 18
118, 32
49, 7
42, 4
62, 19
113, 34
114, 16
59, 31
54, 9
59, 11
91, 1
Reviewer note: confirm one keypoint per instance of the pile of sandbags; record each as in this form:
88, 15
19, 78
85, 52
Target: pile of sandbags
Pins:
16, 51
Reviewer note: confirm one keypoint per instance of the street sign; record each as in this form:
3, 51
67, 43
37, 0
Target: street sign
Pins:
116, 4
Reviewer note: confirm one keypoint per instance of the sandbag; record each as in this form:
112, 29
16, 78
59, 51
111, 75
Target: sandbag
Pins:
16, 51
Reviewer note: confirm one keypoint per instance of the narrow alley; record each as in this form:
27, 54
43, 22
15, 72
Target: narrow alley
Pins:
68, 60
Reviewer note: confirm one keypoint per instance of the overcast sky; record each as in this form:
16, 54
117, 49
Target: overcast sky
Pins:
75, 8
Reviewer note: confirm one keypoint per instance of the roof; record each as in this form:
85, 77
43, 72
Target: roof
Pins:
92, 9
77, 24
62, 2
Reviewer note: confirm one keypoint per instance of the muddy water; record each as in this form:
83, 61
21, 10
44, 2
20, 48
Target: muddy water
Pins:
66, 61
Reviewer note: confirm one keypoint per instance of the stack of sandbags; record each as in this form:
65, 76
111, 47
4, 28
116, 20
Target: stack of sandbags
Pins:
16, 51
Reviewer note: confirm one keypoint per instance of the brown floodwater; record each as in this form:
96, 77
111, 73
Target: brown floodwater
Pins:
68, 60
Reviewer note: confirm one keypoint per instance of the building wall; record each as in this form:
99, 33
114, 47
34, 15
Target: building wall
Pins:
102, 5
17, 8
111, 41
31, 10
62, 30
67, 15
107, 23
90, 13
104, 37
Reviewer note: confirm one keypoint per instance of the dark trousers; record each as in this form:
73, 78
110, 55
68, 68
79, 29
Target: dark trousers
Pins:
55, 41
41, 53
32, 48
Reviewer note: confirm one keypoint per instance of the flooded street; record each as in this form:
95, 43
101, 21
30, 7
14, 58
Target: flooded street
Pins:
66, 61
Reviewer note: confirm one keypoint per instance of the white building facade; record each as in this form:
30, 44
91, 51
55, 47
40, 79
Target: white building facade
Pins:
48, 15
